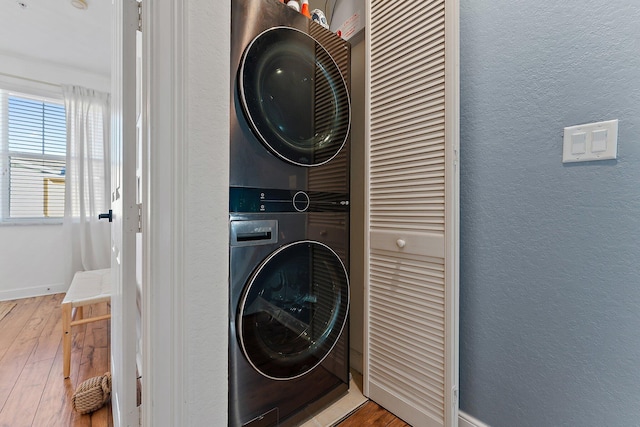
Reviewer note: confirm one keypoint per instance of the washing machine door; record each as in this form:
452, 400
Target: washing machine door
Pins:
293, 310
294, 97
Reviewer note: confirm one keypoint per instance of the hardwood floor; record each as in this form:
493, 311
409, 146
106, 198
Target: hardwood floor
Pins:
372, 414
33, 391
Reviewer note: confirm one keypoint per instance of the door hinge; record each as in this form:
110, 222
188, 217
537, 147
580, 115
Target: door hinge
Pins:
140, 16
139, 218
454, 397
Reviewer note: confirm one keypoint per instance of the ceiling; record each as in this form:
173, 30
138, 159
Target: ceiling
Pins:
56, 32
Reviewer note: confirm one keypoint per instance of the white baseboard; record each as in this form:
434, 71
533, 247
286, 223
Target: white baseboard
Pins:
466, 420
33, 292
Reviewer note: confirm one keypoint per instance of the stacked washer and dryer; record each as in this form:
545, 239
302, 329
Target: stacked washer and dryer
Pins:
288, 215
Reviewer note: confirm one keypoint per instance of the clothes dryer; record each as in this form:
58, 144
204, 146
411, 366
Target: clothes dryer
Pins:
289, 305
290, 107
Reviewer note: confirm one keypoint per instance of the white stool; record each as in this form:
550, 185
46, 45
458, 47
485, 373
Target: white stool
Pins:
87, 287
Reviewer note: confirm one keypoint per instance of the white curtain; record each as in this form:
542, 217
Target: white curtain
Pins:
87, 179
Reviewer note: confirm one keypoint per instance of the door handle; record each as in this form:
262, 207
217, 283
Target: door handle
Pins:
106, 215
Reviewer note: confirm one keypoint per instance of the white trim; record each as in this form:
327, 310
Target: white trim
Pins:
164, 362
452, 206
34, 291
466, 420
367, 205
11, 81
31, 89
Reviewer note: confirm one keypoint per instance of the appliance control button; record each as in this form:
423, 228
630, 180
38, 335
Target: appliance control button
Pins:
301, 201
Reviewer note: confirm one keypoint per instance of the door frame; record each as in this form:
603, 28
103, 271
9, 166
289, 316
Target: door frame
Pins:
164, 378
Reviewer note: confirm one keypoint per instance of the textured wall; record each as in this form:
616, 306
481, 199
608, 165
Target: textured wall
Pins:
33, 260
206, 221
550, 253
24, 246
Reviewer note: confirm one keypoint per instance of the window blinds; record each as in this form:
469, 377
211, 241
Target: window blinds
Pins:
34, 154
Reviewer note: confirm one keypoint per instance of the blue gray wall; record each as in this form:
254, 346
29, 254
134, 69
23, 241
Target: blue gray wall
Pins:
550, 253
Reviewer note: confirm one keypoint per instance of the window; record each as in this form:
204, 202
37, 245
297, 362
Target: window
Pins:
33, 145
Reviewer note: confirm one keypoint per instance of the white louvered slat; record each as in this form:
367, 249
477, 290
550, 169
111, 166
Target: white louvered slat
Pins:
410, 331
407, 334
424, 65
404, 136
433, 101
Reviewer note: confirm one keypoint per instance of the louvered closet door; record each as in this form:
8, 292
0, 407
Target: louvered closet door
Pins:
412, 346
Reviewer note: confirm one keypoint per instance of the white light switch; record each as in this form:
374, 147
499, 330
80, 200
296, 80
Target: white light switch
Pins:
592, 141
579, 143
599, 140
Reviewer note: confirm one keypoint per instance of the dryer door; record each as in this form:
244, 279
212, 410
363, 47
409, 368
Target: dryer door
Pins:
294, 97
293, 310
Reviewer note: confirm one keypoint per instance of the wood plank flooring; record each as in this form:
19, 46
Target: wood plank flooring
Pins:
33, 391
372, 414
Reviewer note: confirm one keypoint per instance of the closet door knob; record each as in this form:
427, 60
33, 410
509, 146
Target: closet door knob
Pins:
400, 243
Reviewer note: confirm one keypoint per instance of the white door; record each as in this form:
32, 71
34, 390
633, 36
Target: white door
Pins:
125, 214
411, 282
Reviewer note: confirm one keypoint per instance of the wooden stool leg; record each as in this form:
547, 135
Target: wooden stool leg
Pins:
79, 313
66, 339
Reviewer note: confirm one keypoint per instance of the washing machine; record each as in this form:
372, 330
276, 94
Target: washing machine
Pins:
290, 120
290, 107
289, 305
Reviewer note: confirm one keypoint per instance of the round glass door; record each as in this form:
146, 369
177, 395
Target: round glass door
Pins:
294, 97
293, 310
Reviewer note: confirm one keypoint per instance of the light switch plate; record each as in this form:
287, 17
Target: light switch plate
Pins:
591, 141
